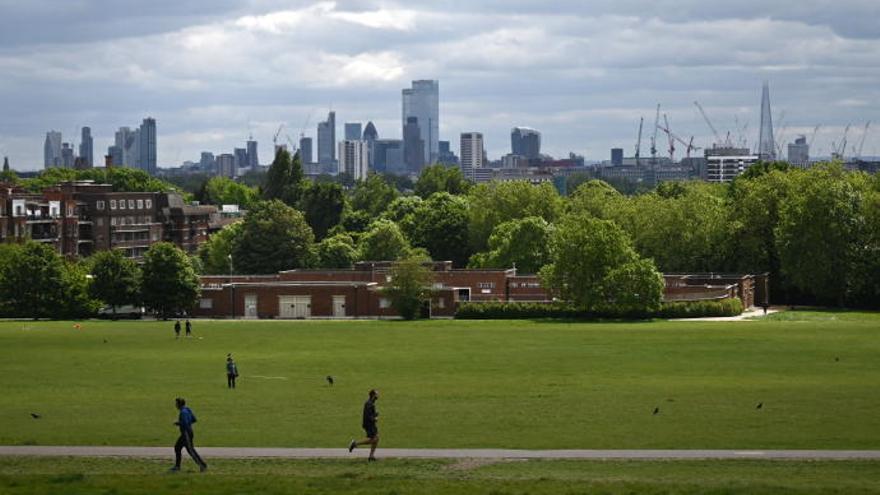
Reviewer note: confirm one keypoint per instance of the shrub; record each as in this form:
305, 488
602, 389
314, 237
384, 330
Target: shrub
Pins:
699, 309
526, 310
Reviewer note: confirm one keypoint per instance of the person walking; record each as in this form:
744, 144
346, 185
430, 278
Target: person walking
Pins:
231, 371
189, 328
185, 420
368, 422
177, 329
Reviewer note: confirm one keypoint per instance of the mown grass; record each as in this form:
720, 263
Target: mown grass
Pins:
505, 384
268, 476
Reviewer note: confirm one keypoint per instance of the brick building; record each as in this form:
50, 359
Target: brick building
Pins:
82, 217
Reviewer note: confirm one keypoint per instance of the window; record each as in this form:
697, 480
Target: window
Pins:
121, 204
130, 204
112, 220
140, 204
149, 203
384, 302
112, 204
99, 205
69, 212
206, 303
486, 285
441, 303
100, 221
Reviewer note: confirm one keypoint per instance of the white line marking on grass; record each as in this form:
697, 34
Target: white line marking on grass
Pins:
267, 377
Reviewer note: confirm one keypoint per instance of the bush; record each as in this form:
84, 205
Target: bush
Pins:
524, 310
699, 309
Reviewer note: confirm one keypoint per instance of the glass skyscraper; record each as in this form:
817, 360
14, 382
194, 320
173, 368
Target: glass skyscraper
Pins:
422, 101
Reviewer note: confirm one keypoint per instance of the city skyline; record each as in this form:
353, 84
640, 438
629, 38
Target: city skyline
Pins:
582, 75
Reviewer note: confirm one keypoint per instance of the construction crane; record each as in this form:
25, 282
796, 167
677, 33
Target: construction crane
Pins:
670, 139
275, 137
654, 137
813, 136
708, 122
840, 150
302, 131
689, 144
639, 141
858, 153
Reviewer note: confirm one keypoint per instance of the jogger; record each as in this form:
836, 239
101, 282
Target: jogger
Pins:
185, 420
369, 423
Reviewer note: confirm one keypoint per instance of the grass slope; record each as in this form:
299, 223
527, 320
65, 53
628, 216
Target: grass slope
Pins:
505, 384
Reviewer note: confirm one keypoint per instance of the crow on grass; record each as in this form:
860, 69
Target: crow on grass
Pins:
330, 380
656, 411
35, 416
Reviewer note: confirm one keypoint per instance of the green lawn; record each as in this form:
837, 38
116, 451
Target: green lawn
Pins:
506, 384
90, 476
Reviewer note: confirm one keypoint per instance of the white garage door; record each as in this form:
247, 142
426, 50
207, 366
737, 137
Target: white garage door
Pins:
294, 306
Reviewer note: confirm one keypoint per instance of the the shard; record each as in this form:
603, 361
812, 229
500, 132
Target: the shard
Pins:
766, 145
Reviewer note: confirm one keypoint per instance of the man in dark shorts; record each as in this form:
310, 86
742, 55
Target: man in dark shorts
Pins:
189, 328
177, 329
231, 371
185, 420
368, 422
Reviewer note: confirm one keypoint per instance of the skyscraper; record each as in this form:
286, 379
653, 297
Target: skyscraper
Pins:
146, 151
86, 147
67, 157
52, 150
327, 142
305, 150
388, 156
422, 101
413, 146
471, 150
252, 159
226, 165
445, 154
526, 142
241, 159
799, 152
616, 157
127, 141
766, 145
370, 136
353, 131
353, 158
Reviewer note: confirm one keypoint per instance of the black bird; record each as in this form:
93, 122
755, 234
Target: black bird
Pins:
105, 341
330, 380
836, 359
35, 416
656, 411
760, 405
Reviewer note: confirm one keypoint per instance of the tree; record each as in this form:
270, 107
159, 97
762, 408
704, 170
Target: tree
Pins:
499, 202
595, 197
523, 243
337, 251
115, 279
223, 190
215, 253
383, 241
633, 288
591, 269
274, 237
440, 178
284, 178
323, 204
8, 175
440, 225
372, 195
409, 288
169, 284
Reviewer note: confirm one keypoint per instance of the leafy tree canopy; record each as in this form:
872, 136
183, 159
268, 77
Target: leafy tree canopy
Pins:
273, 237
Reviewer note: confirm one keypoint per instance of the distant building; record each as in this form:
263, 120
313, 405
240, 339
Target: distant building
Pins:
226, 165
353, 158
114, 153
799, 152
724, 163
413, 146
241, 159
67, 156
127, 141
514, 161
327, 142
147, 146
422, 101
616, 157
207, 163
305, 150
446, 156
353, 131
388, 156
86, 147
252, 158
370, 136
472, 153
525, 141
52, 150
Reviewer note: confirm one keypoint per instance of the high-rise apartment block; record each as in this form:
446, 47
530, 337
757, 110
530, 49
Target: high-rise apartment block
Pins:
353, 158
471, 151
799, 152
422, 101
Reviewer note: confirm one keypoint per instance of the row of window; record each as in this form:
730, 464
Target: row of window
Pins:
139, 204
525, 285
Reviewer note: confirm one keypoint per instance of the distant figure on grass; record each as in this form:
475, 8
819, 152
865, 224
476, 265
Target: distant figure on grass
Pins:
189, 328
231, 371
185, 420
370, 417
177, 329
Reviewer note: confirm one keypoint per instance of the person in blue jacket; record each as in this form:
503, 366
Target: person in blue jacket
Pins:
185, 420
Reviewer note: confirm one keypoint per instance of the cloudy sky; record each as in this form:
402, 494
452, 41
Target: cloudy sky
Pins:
583, 72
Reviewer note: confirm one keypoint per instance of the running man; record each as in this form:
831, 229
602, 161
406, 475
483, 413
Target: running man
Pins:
189, 328
185, 421
231, 371
370, 417
177, 329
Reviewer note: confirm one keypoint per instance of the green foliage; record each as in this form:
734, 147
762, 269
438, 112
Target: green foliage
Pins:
634, 287
409, 288
284, 178
169, 284
8, 175
523, 243
440, 178
216, 252
383, 241
701, 309
190, 183
758, 169
354, 221
223, 190
372, 195
597, 198
400, 182
337, 251
516, 311
560, 310
273, 237
440, 225
498, 202
122, 179
115, 279
323, 204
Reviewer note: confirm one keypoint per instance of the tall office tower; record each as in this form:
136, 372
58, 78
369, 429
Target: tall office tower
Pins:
305, 150
67, 157
52, 150
353, 131
86, 147
422, 101
799, 152
445, 155
128, 141
616, 157
207, 162
226, 165
252, 159
413, 146
353, 158
370, 136
472, 153
241, 159
525, 141
766, 145
147, 146
388, 156
327, 141
115, 154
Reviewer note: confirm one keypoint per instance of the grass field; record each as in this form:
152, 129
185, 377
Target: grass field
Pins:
505, 384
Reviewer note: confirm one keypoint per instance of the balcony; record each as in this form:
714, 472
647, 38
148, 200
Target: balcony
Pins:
40, 219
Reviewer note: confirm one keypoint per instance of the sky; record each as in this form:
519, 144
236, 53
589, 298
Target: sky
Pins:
583, 72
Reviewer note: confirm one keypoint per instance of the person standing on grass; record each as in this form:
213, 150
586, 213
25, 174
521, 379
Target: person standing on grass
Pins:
177, 329
189, 328
369, 420
185, 420
231, 371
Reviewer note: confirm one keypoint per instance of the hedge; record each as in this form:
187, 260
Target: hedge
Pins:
523, 310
